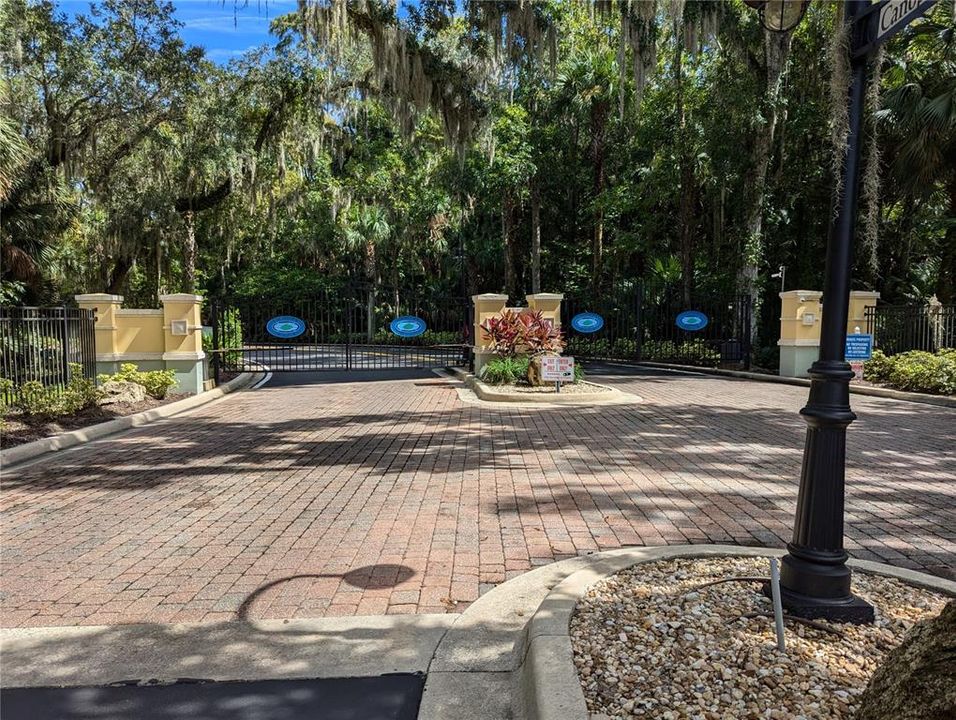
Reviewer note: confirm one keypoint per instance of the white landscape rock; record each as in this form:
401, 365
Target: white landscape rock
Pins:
648, 644
121, 391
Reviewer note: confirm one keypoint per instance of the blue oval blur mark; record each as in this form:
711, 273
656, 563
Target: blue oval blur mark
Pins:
408, 326
587, 322
285, 326
692, 320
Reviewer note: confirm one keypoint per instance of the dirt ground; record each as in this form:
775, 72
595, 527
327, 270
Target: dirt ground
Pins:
18, 429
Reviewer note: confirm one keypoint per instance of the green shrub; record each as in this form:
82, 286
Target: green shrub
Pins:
877, 368
578, 372
156, 382
505, 370
47, 402
916, 370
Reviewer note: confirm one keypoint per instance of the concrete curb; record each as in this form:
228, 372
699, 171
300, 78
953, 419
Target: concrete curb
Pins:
491, 394
547, 683
940, 400
33, 450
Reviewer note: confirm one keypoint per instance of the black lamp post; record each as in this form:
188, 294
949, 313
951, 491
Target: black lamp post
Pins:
814, 577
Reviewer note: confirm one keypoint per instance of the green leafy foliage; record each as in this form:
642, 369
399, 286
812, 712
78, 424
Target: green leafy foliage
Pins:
44, 402
917, 371
156, 382
505, 370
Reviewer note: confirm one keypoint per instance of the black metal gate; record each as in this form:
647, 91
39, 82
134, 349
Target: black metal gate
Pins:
640, 325
347, 329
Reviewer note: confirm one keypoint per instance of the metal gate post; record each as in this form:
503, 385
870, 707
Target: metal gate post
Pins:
748, 336
349, 302
639, 344
215, 342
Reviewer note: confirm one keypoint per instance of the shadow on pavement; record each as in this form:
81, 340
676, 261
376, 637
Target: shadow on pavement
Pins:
387, 697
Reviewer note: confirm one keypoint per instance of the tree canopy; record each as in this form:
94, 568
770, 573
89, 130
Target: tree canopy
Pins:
465, 147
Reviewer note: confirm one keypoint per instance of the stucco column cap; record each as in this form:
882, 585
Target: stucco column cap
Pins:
807, 294
489, 296
546, 296
99, 297
181, 297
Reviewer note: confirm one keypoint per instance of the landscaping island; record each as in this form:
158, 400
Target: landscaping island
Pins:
657, 641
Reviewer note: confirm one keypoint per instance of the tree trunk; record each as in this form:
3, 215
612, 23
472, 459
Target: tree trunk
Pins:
189, 253
776, 57
118, 275
599, 115
372, 279
535, 236
507, 209
685, 212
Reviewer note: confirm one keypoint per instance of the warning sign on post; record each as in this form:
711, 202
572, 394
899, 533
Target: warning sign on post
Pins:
557, 369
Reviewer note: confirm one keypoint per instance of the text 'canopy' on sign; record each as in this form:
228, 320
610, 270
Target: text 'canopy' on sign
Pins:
888, 18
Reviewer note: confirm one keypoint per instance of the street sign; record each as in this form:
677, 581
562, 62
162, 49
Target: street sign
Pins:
887, 18
557, 369
859, 346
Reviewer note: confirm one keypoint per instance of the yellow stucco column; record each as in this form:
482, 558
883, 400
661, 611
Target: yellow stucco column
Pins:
549, 304
799, 343
485, 306
182, 339
860, 300
105, 309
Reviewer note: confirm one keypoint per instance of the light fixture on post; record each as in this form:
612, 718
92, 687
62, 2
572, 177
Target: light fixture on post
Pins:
779, 15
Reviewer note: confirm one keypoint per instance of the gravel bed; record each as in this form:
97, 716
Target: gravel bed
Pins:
647, 645
578, 388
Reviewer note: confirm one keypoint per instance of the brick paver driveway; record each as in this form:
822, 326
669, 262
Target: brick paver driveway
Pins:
375, 497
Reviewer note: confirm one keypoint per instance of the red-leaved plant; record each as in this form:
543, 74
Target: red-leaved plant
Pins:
526, 333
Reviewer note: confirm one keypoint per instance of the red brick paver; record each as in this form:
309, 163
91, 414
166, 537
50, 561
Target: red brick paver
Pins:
396, 497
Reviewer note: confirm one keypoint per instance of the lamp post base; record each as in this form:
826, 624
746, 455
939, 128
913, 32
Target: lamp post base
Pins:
818, 588
849, 609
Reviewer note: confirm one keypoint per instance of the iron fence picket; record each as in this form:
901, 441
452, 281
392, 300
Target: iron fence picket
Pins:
41, 343
901, 328
338, 334
640, 325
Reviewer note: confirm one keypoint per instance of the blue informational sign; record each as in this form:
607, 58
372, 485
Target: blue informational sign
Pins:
692, 320
859, 346
285, 327
408, 326
587, 322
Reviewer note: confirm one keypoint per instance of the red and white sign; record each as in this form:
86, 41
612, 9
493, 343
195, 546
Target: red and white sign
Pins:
557, 369
857, 368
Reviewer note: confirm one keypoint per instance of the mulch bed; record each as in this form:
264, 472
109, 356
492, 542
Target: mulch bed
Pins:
17, 429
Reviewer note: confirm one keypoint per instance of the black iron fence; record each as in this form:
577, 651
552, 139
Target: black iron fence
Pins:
899, 328
641, 325
346, 329
41, 343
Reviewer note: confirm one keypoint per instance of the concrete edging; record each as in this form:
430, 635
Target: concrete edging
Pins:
32, 450
547, 684
926, 399
490, 394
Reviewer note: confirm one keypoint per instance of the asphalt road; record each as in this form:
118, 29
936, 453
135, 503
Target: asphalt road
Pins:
387, 697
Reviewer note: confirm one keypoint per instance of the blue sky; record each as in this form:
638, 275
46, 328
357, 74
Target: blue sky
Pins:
225, 30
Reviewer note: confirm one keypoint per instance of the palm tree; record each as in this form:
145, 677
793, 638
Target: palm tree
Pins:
919, 116
588, 87
369, 232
